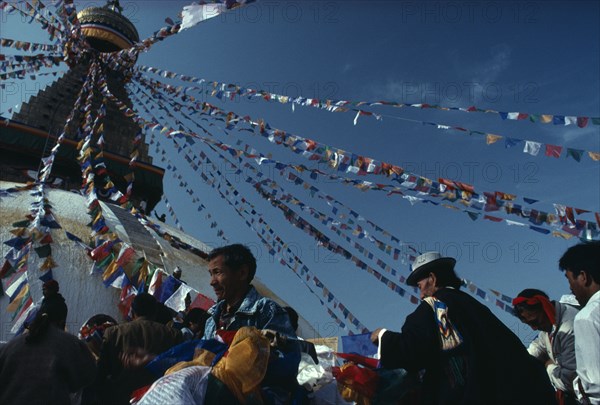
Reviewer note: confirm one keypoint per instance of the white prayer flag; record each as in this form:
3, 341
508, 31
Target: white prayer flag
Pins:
196, 13
533, 148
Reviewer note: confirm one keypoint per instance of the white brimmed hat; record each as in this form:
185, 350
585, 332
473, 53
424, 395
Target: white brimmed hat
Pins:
425, 263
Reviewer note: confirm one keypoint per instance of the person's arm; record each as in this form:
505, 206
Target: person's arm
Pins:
272, 316
538, 349
562, 371
411, 348
108, 359
587, 345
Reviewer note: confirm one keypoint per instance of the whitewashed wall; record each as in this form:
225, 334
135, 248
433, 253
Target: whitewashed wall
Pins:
85, 294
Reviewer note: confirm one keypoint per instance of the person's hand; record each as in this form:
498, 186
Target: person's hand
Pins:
136, 358
375, 336
276, 339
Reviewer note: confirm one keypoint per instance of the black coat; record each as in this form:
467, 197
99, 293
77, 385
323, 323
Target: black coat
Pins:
491, 366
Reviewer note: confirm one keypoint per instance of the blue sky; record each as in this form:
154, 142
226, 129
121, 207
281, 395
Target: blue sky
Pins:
534, 57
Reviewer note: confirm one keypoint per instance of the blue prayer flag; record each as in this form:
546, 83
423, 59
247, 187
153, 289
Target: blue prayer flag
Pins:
359, 344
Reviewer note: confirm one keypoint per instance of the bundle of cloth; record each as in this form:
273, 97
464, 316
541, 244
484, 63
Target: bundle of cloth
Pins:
248, 366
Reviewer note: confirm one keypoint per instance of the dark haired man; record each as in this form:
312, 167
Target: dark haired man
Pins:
142, 334
232, 269
45, 365
468, 355
555, 344
53, 298
581, 264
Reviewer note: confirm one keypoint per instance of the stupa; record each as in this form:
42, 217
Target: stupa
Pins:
29, 136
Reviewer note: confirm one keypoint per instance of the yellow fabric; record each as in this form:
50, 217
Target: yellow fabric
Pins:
111, 37
201, 358
245, 365
352, 396
348, 392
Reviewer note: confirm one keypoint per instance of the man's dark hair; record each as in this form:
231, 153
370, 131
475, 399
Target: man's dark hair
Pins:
529, 293
53, 311
234, 257
163, 313
196, 315
144, 304
582, 257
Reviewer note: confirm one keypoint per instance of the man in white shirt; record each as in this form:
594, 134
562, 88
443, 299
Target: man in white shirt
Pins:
581, 264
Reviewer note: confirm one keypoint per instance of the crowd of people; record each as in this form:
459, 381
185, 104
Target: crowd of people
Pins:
453, 348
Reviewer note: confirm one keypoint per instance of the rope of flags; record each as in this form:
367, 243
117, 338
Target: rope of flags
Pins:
35, 232
182, 183
564, 221
294, 263
532, 148
229, 91
54, 32
172, 213
28, 46
474, 289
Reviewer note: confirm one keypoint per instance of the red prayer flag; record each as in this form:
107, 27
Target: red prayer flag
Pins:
202, 302
582, 122
227, 336
358, 359
553, 150
491, 218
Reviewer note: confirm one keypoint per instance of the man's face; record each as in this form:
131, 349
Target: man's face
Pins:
229, 285
577, 285
536, 319
427, 286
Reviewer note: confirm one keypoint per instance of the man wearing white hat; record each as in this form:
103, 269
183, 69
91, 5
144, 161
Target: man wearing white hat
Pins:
468, 355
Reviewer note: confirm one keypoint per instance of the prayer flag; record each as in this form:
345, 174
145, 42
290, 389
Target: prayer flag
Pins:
196, 13
43, 251
19, 298
177, 300
359, 344
553, 150
202, 301
533, 148
575, 154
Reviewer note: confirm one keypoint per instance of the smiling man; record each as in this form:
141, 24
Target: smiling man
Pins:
232, 269
581, 264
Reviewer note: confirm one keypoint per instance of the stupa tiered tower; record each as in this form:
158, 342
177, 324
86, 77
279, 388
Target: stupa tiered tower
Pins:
33, 130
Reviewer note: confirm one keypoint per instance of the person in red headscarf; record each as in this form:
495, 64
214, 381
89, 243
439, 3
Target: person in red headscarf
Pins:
555, 344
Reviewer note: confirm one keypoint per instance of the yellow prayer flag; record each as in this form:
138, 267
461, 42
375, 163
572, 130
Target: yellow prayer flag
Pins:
491, 138
594, 155
16, 303
18, 231
110, 269
563, 235
545, 118
48, 264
